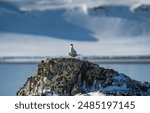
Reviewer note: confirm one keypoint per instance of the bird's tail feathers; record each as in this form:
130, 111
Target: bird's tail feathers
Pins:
79, 54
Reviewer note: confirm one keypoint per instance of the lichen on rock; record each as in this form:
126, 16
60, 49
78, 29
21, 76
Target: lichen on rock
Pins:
69, 77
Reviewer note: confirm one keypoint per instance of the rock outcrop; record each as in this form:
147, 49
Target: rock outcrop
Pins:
69, 76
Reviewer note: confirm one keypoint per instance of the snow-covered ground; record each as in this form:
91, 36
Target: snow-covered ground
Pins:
95, 27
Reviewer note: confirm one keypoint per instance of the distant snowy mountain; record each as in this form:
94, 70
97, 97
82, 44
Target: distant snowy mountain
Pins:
97, 28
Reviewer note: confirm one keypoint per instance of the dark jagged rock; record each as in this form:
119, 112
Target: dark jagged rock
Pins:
68, 76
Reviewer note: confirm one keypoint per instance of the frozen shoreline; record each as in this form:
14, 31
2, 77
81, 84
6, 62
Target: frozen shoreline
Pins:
95, 59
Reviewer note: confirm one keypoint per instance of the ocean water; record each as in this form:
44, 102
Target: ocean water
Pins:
13, 76
137, 71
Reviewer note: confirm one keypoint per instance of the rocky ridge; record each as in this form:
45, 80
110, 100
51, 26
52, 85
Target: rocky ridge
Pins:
69, 77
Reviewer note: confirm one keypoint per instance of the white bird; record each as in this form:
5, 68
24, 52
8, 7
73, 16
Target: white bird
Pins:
72, 51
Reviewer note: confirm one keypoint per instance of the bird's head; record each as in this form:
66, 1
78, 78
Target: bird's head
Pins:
71, 44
